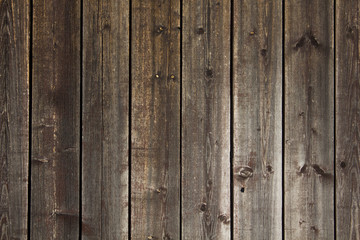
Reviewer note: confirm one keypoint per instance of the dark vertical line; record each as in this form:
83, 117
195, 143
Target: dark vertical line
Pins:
180, 129
335, 209
283, 123
231, 119
30, 114
129, 120
81, 116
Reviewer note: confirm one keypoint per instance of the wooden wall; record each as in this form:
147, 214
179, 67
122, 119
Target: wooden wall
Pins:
174, 119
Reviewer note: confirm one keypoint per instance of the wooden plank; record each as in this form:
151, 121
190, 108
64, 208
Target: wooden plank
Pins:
347, 120
55, 120
309, 119
105, 119
257, 164
206, 120
14, 118
155, 120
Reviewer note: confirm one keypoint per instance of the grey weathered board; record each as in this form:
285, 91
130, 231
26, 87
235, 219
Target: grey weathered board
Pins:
309, 120
206, 120
257, 92
155, 119
14, 118
105, 171
347, 120
55, 120
171, 119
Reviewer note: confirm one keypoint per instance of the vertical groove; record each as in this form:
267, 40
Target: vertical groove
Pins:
283, 122
30, 114
180, 129
81, 116
231, 119
129, 121
335, 209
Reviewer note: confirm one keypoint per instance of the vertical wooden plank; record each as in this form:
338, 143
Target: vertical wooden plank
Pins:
14, 118
309, 119
155, 120
206, 120
347, 120
55, 120
257, 92
105, 119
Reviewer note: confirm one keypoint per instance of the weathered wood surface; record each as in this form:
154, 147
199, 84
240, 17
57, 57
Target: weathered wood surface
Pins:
155, 120
206, 120
257, 92
14, 118
55, 120
309, 120
105, 171
347, 120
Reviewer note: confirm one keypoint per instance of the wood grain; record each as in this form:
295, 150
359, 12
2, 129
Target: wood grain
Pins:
155, 120
257, 91
105, 119
309, 119
206, 120
14, 118
55, 120
347, 120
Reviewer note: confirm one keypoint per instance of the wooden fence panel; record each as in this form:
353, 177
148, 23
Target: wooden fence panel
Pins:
347, 120
257, 168
206, 120
309, 120
155, 120
14, 118
105, 171
55, 126
170, 119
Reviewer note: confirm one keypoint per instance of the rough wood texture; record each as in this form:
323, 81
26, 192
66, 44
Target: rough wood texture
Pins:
55, 120
206, 120
155, 136
105, 119
257, 164
309, 120
347, 120
14, 118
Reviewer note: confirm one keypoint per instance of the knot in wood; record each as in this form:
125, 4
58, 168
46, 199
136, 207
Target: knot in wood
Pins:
245, 172
203, 207
224, 218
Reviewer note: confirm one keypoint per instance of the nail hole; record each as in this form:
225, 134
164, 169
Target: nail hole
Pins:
263, 52
200, 31
160, 29
342, 164
242, 189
